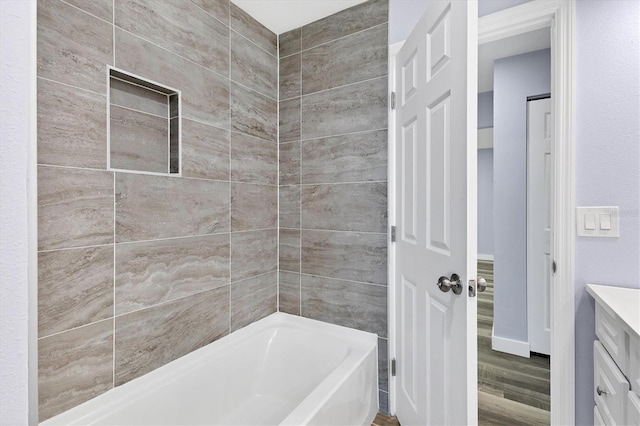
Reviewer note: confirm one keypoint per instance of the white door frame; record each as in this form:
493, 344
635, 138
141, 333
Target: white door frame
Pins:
559, 16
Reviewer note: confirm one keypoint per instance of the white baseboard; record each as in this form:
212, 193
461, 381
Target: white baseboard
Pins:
510, 346
485, 257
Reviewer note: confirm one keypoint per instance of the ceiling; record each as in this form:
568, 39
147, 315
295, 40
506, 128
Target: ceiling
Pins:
283, 15
516, 45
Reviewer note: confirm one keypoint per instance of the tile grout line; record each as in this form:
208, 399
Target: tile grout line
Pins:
385, 76
278, 175
230, 153
71, 86
299, 182
318, 138
142, 112
253, 42
341, 279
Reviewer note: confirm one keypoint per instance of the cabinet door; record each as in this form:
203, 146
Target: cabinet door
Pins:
610, 387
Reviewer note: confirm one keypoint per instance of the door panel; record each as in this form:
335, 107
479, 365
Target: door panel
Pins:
539, 162
436, 211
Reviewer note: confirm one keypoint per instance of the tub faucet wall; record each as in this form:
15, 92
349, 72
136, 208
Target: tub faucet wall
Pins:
333, 172
136, 270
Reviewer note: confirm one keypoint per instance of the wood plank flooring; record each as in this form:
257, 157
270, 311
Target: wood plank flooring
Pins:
512, 390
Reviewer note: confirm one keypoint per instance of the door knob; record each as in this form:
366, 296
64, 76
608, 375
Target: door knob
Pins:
445, 284
481, 284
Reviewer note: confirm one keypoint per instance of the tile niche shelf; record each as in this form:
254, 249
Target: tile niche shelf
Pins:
144, 125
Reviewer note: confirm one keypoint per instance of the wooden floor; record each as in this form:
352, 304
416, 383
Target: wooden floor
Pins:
512, 390
382, 420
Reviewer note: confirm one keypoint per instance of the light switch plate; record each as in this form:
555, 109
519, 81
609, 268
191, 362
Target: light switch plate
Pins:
605, 217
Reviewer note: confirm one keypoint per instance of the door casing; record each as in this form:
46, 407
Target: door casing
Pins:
559, 16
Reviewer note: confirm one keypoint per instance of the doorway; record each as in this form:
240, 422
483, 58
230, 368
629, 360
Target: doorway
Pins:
559, 16
513, 366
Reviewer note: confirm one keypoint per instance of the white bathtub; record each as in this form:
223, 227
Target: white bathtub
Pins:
281, 370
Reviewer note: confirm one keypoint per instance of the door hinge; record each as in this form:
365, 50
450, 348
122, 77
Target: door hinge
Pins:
393, 367
554, 267
393, 100
393, 234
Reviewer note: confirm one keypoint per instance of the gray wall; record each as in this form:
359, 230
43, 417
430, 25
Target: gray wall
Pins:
607, 163
156, 266
333, 172
485, 179
515, 78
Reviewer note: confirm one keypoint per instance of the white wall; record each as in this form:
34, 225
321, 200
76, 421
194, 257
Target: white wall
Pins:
607, 163
485, 180
17, 22
515, 78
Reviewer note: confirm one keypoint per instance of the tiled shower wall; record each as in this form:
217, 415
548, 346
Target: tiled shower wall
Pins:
333, 172
137, 270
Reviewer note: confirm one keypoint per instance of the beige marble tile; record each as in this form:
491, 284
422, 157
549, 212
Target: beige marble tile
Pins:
354, 305
289, 206
348, 158
127, 95
139, 141
154, 272
219, 9
289, 292
253, 114
349, 21
205, 94
289, 250
345, 255
153, 207
252, 67
289, 120
345, 207
289, 163
253, 159
152, 337
355, 108
290, 42
72, 126
253, 253
75, 207
180, 27
102, 9
73, 367
205, 151
290, 77
246, 25
73, 46
253, 206
253, 299
358, 57
75, 288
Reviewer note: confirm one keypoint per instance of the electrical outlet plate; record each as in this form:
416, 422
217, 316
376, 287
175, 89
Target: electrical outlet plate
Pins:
600, 222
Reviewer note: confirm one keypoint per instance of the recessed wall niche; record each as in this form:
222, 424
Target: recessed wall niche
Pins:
144, 125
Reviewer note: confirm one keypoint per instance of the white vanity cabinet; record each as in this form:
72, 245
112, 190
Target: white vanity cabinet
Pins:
616, 355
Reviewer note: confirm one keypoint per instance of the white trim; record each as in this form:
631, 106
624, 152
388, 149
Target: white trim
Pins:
32, 202
509, 346
486, 257
559, 15
391, 250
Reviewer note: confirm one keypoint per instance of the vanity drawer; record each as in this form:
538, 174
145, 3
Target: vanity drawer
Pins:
612, 385
633, 409
611, 335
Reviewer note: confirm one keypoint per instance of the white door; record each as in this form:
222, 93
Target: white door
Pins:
436, 131
539, 136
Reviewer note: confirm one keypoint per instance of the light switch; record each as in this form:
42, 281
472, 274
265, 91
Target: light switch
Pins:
605, 221
598, 222
589, 221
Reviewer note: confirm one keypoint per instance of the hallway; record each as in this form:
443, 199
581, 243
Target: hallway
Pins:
512, 390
